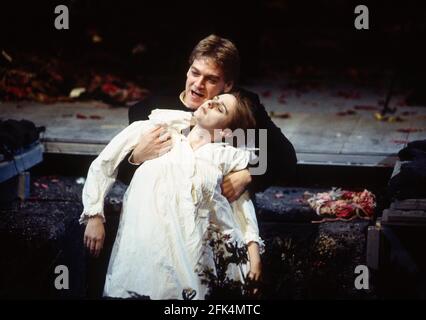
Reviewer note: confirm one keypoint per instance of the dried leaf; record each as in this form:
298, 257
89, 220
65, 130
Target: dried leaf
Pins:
138, 49
365, 107
282, 115
348, 94
400, 141
346, 113
395, 119
409, 130
266, 93
6, 56
409, 113
279, 195
76, 92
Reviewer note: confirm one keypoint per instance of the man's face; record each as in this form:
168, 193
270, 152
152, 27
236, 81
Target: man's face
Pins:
204, 80
216, 113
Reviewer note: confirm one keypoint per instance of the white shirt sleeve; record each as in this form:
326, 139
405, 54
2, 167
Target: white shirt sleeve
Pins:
103, 170
233, 159
245, 213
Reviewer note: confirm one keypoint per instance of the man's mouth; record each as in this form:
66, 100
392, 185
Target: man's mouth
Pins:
197, 94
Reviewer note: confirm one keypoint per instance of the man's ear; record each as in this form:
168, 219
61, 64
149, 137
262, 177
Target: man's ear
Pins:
228, 86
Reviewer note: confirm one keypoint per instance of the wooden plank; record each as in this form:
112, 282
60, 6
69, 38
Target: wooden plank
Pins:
318, 134
23, 191
62, 124
312, 133
372, 136
373, 247
346, 159
21, 162
74, 148
409, 204
416, 122
391, 215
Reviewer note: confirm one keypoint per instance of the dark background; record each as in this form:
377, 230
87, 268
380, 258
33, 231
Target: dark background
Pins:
295, 37
272, 35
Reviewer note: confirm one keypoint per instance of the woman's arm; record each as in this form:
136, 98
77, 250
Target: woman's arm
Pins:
103, 170
236, 178
255, 273
246, 217
101, 176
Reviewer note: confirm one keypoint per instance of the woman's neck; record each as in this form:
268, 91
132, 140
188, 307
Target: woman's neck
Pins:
199, 137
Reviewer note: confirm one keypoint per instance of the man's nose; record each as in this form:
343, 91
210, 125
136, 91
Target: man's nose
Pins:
200, 82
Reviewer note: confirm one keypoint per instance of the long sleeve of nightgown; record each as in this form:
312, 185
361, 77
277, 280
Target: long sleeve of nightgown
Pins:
234, 159
245, 213
103, 170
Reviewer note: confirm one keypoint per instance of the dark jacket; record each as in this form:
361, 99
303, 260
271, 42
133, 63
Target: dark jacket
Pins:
281, 157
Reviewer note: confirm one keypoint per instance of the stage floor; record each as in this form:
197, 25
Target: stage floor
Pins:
328, 125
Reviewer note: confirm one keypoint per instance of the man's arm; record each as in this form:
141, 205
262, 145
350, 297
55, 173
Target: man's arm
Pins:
235, 183
138, 111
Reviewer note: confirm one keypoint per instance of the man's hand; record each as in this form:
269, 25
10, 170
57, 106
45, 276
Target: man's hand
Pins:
94, 235
235, 183
152, 145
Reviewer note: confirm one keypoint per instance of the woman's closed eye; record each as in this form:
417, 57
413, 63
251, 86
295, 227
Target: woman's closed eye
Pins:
219, 106
222, 108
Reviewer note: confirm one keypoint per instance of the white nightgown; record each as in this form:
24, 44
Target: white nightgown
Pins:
168, 208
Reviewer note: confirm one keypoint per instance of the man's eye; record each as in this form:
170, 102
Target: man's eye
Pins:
195, 73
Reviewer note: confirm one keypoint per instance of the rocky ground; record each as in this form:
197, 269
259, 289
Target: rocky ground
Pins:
302, 260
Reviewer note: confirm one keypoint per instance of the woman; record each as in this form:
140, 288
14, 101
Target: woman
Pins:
173, 203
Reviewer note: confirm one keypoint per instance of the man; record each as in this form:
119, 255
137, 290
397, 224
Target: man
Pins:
214, 68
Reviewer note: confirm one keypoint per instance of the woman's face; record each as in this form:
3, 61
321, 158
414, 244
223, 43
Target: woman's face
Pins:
217, 112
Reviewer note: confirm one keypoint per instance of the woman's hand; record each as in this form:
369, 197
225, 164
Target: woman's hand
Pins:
255, 273
255, 276
235, 183
94, 235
